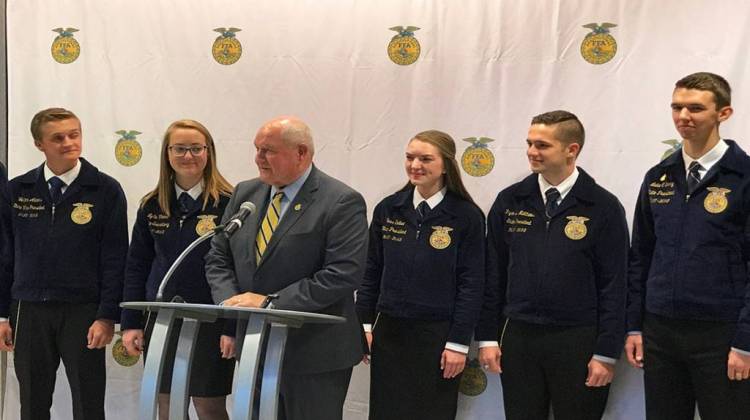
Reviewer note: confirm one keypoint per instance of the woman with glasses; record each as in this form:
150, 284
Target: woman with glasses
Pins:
187, 202
422, 288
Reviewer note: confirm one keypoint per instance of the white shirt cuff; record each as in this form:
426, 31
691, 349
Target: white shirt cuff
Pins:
742, 352
635, 333
604, 359
367, 328
457, 347
3, 319
488, 344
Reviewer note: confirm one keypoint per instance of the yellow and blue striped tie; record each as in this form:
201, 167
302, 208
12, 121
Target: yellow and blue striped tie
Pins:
270, 222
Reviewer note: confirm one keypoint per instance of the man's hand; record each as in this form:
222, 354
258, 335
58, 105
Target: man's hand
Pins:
600, 373
634, 350
452, 363
366, 357
489, 358
6, 336
100, 333
226, 345
245, 300
738, 366
133, 341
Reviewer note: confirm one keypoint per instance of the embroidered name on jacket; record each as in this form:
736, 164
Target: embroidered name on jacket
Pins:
518, 221
158, 223
394, 230
29, 207
660, 192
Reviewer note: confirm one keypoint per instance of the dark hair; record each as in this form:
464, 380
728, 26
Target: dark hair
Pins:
568, 128
46, 115
710, 82
447, 148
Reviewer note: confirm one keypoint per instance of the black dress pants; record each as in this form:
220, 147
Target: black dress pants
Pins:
545, 365
685, 362
46, 332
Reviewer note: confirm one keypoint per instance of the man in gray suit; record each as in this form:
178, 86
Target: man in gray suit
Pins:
303, 250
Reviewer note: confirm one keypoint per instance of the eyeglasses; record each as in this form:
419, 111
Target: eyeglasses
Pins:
182, 150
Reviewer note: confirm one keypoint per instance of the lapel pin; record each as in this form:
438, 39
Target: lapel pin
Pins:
297, 207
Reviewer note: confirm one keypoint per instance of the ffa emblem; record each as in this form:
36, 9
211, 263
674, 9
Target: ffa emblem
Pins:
473, 380
477, 159
65, 48
128, 151
440, 238
81, 213
674, 146
205, 224
121, 355
598, 46
227, 48
404, 49
576, 229
716, 200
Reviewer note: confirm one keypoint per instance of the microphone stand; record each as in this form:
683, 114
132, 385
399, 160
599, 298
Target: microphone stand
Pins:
178, 261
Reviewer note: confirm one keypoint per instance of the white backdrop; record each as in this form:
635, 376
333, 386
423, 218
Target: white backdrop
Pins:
486, 67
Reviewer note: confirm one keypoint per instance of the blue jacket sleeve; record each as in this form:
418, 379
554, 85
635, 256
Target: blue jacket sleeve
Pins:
470, 279
140, 258
610, 265
369, 290
6, 248
496, 276
114, 249
641, 251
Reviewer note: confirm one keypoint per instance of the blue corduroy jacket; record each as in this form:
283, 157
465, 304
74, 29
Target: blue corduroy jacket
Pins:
70, 252
569, 270
690, 253
432, 271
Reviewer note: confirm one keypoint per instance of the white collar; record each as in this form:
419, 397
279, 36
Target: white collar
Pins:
67, 177
709, 159
563, 188
194, 192
432, 201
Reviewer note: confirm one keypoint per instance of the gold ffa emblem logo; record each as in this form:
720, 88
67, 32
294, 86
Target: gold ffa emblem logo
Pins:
205, 224
65, 48
674, 145
716, 200
81, 213
121, 355
227, 48
599, 46
473, 380
440, 238
127, 150
404, 49
477, 159
576, 228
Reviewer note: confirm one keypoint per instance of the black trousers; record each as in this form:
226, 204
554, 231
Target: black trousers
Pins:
549, 364
315, 396
686, 362
405, 377
46, 332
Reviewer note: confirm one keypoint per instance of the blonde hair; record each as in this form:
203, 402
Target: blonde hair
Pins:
214, 184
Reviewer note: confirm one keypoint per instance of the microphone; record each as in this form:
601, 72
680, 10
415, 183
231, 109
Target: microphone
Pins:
235, 222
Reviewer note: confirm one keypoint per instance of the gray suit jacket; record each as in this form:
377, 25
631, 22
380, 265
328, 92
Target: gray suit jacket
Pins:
314, 261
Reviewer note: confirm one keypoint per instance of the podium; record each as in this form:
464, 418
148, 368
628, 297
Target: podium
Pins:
266, 329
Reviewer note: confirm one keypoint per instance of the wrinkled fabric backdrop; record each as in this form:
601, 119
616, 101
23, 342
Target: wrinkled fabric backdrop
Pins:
485, 68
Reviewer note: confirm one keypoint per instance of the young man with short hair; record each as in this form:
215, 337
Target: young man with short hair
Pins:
557, 246
689, 296
65, 227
